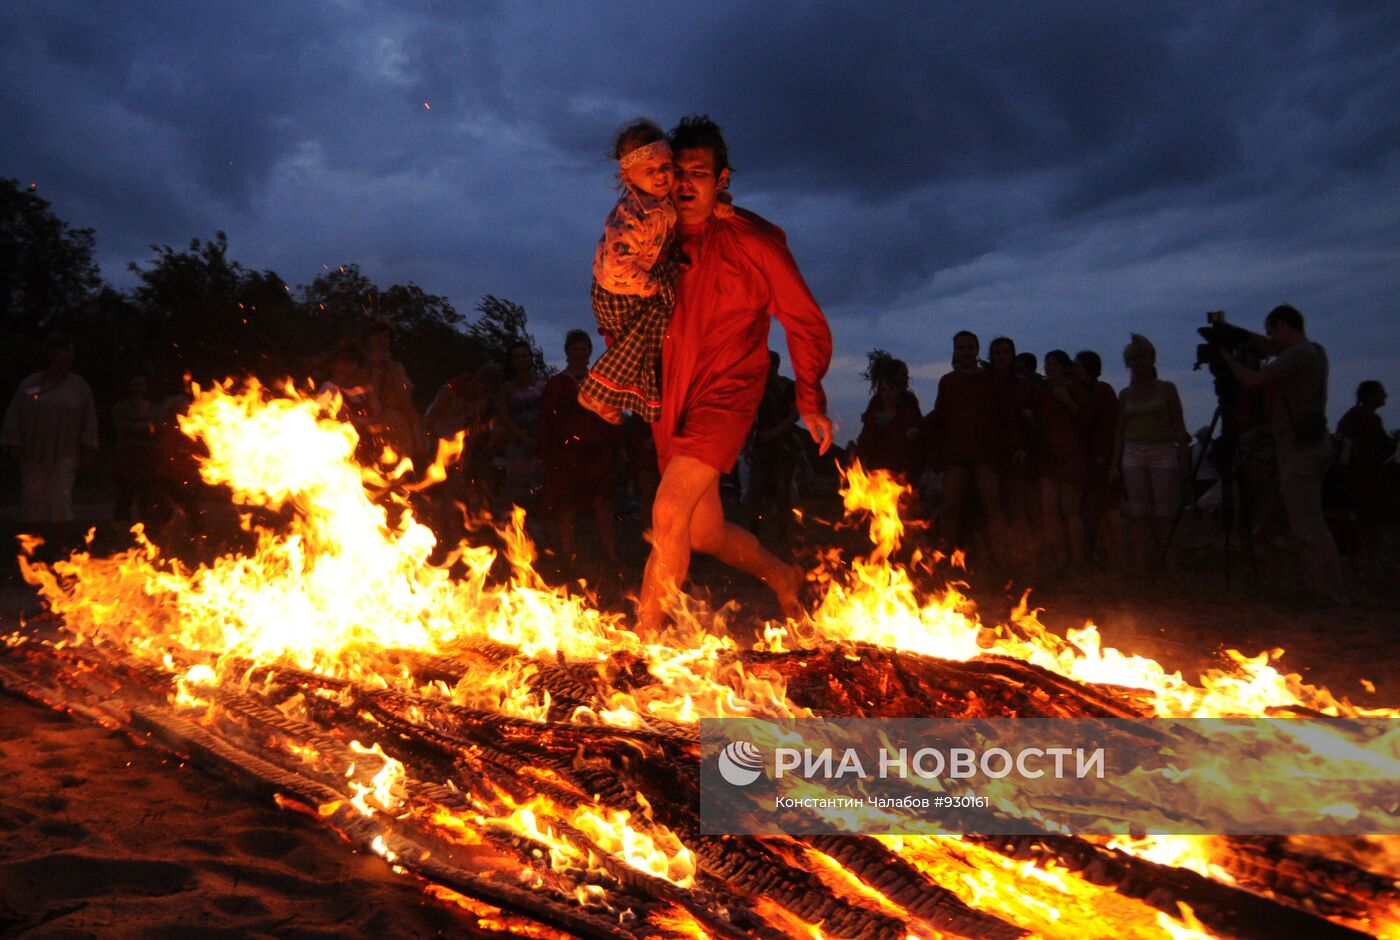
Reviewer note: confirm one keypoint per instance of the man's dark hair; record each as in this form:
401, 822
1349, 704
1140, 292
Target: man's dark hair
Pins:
999, 341
961, 333
775, 359
1027, 362
57, 341
699, 132
635, 134
1366, 389
1091, 362
577, 336
1287, 314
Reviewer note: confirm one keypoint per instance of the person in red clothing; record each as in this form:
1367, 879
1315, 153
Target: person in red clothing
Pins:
1101, 498
579, 451
1365, 449
1016, 472
738, 274
969, 428
891, 421
1064, 416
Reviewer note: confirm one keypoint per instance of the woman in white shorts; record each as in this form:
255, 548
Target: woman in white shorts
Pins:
1151, 451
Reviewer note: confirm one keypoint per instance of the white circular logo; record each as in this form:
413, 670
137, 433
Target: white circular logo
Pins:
740, 763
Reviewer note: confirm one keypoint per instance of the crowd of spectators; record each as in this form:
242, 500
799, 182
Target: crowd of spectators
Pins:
526, 441
1038, 470
1023, 464
1035, 470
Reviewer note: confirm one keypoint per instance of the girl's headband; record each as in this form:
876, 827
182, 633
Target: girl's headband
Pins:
654, 149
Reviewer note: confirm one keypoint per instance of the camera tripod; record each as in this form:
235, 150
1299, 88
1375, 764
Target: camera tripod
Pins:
1224, 447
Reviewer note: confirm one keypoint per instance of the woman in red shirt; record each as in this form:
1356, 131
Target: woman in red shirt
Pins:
1366, 447
579, 451
1015, 398
890, 422
1064, 415
968, 431
1102, 520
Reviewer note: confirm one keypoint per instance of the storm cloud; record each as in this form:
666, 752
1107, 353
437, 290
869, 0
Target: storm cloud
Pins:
1060, 174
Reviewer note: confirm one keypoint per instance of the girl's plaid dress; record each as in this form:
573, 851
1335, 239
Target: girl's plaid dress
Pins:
634, 293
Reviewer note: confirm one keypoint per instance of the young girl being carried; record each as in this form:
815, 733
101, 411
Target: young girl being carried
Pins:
634, 279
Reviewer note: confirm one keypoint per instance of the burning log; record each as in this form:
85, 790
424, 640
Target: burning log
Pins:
1227, 910
1334, 889
859, 680
760, 872
264, 775
910, 888
736, 874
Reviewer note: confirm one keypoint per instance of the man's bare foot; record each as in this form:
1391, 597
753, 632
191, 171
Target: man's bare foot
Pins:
787, 592
608, 413
647, 635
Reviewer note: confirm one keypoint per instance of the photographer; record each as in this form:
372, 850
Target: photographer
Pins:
1304, 448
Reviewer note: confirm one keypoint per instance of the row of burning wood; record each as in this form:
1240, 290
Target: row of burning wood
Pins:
456, 818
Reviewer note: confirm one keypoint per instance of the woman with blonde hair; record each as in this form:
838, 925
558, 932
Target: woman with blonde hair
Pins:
1151, 450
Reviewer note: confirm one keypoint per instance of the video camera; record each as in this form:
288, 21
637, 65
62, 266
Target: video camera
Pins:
1222, 336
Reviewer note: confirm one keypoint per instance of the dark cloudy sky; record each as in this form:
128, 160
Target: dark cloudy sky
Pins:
1059, 172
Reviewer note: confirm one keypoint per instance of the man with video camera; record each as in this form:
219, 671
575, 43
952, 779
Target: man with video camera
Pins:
1299, 371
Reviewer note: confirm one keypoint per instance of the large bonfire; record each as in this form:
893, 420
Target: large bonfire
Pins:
534, 761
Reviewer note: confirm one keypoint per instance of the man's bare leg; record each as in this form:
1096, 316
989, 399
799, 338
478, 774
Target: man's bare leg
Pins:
687, 513
739, 548
683, 483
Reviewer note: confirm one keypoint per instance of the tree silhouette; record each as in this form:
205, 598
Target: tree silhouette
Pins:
197, 311
341, 301
205, 314
47, 276
428, 335
48, 282
46, 268
503, 324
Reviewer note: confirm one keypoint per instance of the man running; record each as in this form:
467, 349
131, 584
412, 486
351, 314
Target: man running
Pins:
737, 273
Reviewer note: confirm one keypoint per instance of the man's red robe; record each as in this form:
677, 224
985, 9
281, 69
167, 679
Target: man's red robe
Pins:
714, 360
